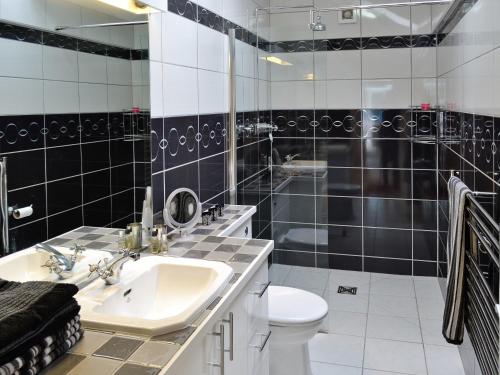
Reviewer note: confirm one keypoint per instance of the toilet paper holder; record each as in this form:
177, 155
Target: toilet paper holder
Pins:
20, 213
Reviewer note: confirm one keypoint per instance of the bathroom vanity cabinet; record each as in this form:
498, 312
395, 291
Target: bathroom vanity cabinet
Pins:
245, 326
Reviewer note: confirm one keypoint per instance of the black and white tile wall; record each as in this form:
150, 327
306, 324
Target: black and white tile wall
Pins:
371, 202
63, 130
190, 109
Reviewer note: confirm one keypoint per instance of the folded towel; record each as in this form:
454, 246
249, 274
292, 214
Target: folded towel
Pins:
27, 308
453, 317
46, 350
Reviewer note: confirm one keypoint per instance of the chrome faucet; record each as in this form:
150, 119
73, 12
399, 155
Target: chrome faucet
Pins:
110, 270
289, 157
59, 263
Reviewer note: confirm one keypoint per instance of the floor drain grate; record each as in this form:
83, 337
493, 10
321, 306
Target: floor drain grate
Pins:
352, 290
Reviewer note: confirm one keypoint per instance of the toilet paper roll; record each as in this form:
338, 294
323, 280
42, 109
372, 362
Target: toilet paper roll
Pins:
21, 213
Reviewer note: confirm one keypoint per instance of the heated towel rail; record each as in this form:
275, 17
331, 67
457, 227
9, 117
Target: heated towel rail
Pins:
482, 236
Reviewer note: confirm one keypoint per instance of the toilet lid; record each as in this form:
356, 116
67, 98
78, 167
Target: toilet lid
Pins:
290, 306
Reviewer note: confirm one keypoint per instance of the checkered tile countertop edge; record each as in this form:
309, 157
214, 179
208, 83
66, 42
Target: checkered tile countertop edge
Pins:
115, 353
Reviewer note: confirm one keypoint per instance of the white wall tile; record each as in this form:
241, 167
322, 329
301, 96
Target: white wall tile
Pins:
180, 90
175, 50
121, 36
290, 26
387, 63
20, 59
496, 83
155, 36
20, 96
119, 71
27, 12
211, 91
213, 5
386, 93
478, 28
385, 21
210, 49
92, 68
61, 97
119, 98
301, 68
424, 90
249, 94
338, 94
423, 62
93, 97
60, 13
156, 89
264, 91
292, 94
99, 34
140, 72
421, 19
337, 65
236, 12
334, 29
479, 84
60, 64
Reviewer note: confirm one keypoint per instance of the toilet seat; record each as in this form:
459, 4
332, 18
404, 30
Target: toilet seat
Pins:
295, 307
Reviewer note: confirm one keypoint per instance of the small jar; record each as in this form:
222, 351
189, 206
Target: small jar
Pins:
206, 217
219, 210
164, 243
213, 213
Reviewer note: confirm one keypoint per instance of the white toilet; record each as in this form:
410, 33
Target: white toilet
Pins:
295, 316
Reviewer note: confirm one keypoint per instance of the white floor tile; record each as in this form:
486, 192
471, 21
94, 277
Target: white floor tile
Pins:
393, 306
307, 278
278, 273
443, 360
431, 308
395, 356
431, 332
346, 302
319, 368
393, 328
427, 288
392, 286
345, 323
377, 372
361, 280
337, 349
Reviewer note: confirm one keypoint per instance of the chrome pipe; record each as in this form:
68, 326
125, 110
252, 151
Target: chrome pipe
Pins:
231, 130
4, 209
109, 24
358, 7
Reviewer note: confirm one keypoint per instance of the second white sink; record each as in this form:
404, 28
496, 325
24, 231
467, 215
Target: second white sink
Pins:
156, 295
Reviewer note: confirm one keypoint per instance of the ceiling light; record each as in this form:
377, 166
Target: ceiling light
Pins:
276, 60
133, 6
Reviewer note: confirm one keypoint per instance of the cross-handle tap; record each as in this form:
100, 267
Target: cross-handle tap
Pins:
110, 270
289, 157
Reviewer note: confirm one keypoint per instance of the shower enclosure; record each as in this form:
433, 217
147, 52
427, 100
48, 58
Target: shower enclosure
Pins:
348, 177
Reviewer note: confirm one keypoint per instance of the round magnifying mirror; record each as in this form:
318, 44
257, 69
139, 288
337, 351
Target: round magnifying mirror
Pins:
182, 210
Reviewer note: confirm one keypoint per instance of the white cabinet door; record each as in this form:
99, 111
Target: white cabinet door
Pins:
202, 357
236, 364
243, 231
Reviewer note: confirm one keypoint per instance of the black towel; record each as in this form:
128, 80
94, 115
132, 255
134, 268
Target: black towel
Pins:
28, 309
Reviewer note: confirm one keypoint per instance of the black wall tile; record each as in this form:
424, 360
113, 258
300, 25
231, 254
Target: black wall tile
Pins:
342, 262
294, 258
63, 162
388, 243
389, 213
339, 239
387, 183
27, 235
65, 221
394, 266
98, 213
32, 165
386, 153
95, 156
96, 185
425, 245
64, 194
339, 152
33, 195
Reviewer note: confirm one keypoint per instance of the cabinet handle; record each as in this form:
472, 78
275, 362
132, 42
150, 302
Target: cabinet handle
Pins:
261, 292
263, 346
246, 231
222, 352
230, 321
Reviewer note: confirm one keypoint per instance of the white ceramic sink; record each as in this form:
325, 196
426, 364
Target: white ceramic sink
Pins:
155, 295
26, 265
305, 165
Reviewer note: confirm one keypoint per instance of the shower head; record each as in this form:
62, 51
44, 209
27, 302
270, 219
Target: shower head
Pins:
315, 22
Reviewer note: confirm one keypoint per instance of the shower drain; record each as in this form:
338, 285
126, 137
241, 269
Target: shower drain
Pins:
352, 290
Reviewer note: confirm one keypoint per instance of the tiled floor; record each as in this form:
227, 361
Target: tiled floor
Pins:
392, 326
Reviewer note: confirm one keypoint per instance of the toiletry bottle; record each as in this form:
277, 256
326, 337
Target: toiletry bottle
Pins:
164, 243
122, 240
155, 243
